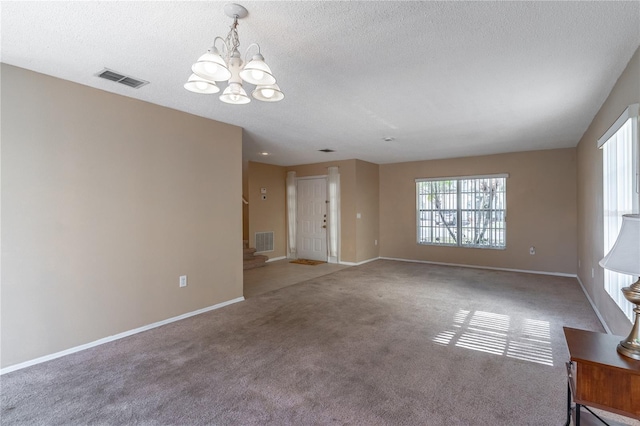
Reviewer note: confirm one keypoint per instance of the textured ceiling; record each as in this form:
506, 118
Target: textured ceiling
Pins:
445, 79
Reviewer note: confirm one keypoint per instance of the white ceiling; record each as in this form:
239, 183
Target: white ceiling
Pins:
445, 79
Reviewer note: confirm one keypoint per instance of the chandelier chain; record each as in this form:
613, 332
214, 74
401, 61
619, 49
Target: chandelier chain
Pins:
232, 41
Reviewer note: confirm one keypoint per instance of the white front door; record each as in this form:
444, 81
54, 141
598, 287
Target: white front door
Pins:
312, 219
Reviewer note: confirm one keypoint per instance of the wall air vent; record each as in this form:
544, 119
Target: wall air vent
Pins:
112, 75
264, 241
327, 150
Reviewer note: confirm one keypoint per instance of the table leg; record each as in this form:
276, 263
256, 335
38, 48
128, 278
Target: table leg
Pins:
577, 415
568, 405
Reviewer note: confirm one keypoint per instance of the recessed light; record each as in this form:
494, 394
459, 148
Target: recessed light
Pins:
327, 150
388, 139
264, 153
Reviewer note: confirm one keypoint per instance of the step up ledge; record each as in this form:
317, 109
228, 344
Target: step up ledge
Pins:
253, 265
248, 253
256, 263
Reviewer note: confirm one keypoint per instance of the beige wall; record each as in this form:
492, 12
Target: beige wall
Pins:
590, 228
359, 188
368, 206
106, 201
541, 210
245, 195
268, 215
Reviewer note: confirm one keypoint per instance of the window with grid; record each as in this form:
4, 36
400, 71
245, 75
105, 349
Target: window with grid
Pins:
619, 193
462, 211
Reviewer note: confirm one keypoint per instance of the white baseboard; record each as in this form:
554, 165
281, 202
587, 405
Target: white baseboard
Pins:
593, 305
114, 337
557, 274
275, 259
359, 263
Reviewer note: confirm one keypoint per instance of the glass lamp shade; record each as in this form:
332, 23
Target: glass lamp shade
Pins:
269, 93
257, 72
198, 84
211, 66
235, 94
624, 256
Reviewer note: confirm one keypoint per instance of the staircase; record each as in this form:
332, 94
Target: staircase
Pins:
251, 260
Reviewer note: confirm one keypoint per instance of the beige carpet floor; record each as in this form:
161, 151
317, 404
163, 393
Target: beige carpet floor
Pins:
282, 273
386, 343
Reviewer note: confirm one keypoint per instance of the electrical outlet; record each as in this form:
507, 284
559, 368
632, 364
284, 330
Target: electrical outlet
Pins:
532, 250
593, 273
183, 280
375, 242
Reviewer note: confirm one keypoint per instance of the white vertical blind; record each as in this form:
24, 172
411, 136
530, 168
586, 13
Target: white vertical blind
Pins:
619, 198
333, 212
292, 198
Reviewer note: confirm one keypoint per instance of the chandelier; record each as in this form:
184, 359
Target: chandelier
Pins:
214, 67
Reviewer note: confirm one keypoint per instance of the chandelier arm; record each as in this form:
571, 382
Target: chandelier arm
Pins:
246, 53
224, 49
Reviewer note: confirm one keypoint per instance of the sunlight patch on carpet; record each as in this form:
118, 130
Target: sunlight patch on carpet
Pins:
497, 334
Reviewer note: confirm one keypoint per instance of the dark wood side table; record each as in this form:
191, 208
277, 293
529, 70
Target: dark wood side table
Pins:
599, 377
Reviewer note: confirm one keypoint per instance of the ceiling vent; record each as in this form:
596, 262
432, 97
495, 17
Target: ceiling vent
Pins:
112, 75
327, 150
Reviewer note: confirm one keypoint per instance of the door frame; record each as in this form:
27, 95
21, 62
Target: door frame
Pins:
330, 259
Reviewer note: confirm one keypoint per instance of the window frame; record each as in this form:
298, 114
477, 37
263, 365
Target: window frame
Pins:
459, 210
613, 279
